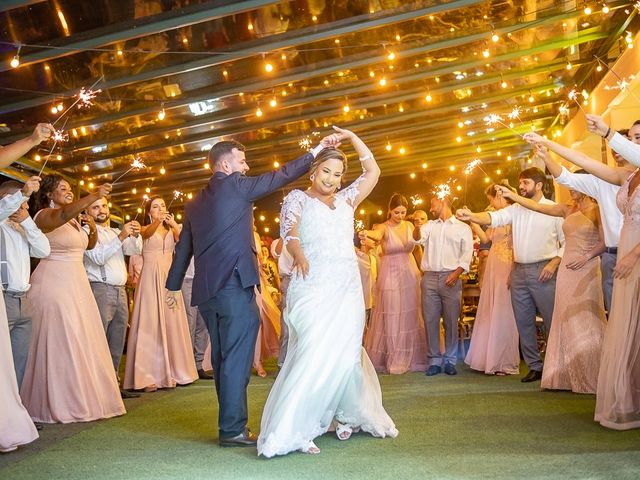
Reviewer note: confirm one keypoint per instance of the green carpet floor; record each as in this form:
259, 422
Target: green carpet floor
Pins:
464, 427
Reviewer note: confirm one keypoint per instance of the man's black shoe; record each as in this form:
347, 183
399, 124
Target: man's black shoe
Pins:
125, 394
204, 375
245, 439
532, 376
450, 369
433, 370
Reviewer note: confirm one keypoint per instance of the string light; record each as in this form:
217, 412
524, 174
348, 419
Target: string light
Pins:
428, 98
605, 8
424, 166
85, 167
162, 170
37, 158
15, 61
412, 175
258, 112
402, 150
382, 82
268, 67
346, 108
388, 147
276, 164
189, 195
162, 114
495, 37
587, 10
273, 103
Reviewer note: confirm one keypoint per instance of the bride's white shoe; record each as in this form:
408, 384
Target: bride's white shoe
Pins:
311, 449
343, 432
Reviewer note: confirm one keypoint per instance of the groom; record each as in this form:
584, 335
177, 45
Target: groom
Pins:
218, 232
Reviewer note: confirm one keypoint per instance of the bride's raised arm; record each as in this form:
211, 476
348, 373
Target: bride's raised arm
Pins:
370, 170
289, 217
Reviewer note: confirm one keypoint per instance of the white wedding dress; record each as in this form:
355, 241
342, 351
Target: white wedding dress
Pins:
327, 374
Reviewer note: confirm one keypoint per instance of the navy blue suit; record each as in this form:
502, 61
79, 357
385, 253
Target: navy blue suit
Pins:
218, 232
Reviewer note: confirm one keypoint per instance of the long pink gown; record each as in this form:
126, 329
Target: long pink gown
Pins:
573, 352
618, 394
396, 341
69, 375
268, 342
159, 351
16, 427
494, 341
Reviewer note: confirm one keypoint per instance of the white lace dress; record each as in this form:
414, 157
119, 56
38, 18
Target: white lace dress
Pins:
327, 373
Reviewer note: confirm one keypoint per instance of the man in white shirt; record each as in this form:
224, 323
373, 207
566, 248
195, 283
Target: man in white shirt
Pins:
20, 239
197, 327
538, 244
107, 272
285, 267
448, 249
605, 194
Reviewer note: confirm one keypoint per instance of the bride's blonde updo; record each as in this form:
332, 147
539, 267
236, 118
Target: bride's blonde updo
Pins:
328, 154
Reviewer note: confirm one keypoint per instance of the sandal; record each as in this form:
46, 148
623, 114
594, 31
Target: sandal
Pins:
343, 432
311, 449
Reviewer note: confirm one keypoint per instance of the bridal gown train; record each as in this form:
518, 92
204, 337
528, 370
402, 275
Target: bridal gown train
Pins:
327, 374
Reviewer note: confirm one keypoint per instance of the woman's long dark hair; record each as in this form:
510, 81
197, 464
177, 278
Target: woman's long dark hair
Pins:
147, 210
41, 198
397, 200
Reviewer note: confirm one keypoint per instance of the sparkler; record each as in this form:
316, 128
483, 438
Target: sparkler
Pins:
137, 164
177, 194
59, 136
416, 200
145, 197
515, 114
494, 118
306, 141
623, 84
84, 97
573, 95
442, 191
472, 165
359, 225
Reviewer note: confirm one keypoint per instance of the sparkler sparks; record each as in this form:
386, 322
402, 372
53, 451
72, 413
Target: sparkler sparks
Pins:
359, 225
177, 195
137, 164
492, 119
86, 96
472, 165
308, 140
515, 114
416, 200
442, 191
59, 136
573, 95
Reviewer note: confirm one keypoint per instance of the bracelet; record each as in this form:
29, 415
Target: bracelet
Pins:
607, 134
366, 157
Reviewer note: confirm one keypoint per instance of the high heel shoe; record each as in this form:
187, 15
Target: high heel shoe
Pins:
343, 432
311, 449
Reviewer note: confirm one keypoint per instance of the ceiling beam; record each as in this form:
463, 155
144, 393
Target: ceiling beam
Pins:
7, 5
136, 28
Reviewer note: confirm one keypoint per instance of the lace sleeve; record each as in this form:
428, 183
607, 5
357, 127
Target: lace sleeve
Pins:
290, 214
350, 193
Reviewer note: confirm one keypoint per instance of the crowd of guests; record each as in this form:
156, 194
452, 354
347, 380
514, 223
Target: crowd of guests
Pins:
573, 265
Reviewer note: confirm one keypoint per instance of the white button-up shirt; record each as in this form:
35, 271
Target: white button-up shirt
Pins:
536, 236
447, 245
21, 241
626, 148
605, 193
105, 262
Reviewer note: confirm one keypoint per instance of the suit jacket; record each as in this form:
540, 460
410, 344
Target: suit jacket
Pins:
218, 230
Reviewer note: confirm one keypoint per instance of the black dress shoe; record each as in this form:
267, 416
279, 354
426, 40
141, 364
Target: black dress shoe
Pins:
245, 439
126, 394
204, 375
433, 370
450, 369
38, 425
532, 376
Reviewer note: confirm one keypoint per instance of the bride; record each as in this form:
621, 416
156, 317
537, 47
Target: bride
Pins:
327, 379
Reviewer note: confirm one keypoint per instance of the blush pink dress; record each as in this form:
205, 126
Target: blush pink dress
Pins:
618, 394
574, 346
16, 426
69, 375
494, 341
159, 351
396, 341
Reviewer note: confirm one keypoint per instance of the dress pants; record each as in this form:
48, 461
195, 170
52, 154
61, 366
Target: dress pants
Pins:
607, 264
197, 327
19, 315
440, 300
232, 319
528, 294
113, 305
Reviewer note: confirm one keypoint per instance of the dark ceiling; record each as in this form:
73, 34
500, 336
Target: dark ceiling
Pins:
414, 79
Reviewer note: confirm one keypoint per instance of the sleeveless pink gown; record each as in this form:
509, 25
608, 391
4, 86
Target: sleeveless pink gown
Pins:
159, 350
494, 341
618, 395
69, 375
396, 340
573, 352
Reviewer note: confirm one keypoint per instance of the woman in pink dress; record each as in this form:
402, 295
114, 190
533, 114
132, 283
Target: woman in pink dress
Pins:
69, 375
574, 347
494, 341
159, 351
396, 340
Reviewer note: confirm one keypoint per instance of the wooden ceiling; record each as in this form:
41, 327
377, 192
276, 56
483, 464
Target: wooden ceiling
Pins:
414, 79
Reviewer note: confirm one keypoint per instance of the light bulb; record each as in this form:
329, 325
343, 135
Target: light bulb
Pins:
503, 84
276, 164
273, 102
85, 168
402, 151
605, 8
452, 168
388, 147
37, 158
206, 166
15, 62
428, 98
189, 196
161, 114
391, 56
424, 166
599, 68
382, 82
587, 10
346, 109
268, 67
162, 171
486, 53
412, 175
54, 109
258, 112
495, 37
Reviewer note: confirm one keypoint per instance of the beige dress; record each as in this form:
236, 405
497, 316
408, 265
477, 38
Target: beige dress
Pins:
69, 375
618, 394
159, 351
16, 427
573, 352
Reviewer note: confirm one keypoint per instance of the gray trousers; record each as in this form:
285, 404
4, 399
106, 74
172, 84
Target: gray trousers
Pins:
197, 326
528, 294
439, 300
113, 305
284, 329
19, 316
607, 264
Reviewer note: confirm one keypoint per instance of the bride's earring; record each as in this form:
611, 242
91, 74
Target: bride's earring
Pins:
52, 204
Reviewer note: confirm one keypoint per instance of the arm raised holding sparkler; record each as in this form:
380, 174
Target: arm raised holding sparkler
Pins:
614, 175
554, 210
629, 150
11, 153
